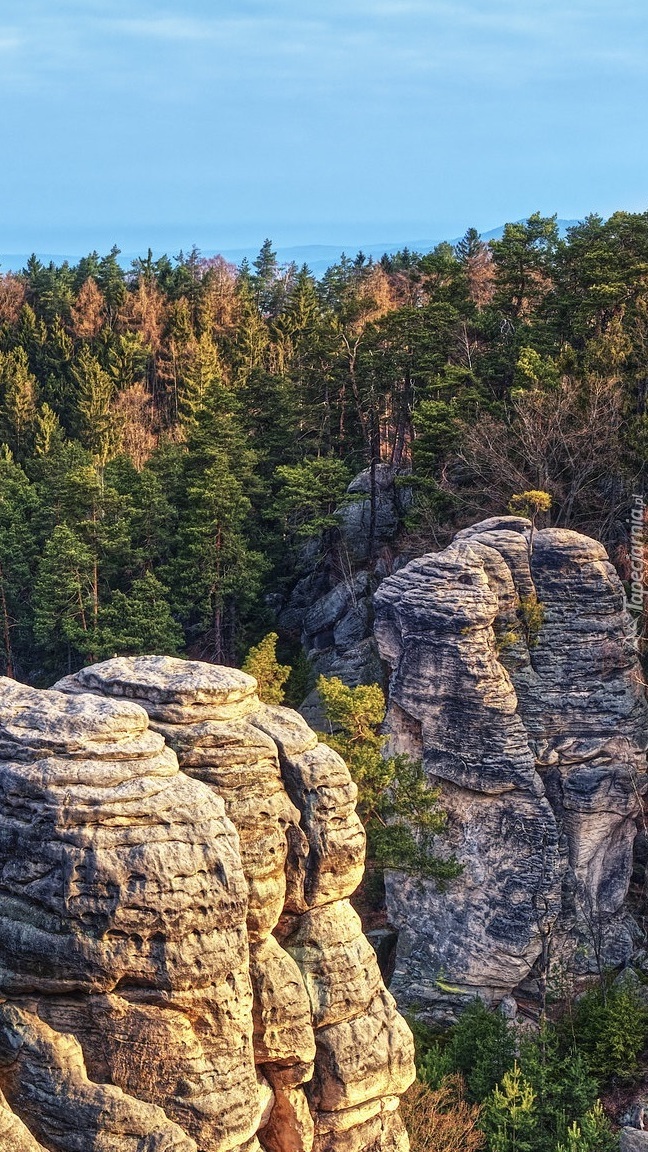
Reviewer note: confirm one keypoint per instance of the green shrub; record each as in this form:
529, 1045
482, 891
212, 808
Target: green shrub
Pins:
531, 613
610, 1025
510, 1118
563, 1085
261, 662
538, 1091
396, 804
482, 1048
593, 1134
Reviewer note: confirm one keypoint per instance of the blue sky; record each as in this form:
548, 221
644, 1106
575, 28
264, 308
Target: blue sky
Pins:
331, 121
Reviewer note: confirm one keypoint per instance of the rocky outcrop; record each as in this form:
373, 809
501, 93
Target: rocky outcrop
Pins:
179, 965
515, 680
330, 608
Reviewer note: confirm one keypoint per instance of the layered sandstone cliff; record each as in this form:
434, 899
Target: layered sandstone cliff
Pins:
180, 968
514, 678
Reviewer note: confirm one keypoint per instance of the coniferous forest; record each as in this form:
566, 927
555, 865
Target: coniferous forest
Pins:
172, 434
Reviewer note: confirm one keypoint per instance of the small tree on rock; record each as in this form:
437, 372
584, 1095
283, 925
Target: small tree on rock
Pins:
530, 504
261, 662
395, 802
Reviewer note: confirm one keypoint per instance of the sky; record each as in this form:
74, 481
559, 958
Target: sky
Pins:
220, 122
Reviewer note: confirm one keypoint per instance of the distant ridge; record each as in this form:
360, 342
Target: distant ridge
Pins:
318, 257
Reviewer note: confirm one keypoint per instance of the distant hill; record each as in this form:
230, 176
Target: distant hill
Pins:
318, 257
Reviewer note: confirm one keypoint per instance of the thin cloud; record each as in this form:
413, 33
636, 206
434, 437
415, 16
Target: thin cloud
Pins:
10, 41
164, 28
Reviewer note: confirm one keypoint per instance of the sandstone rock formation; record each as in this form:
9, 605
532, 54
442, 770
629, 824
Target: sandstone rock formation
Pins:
331, 607
515, 679
179, 966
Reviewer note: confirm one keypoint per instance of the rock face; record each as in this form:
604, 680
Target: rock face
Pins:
515, 680
179, 966
331, 607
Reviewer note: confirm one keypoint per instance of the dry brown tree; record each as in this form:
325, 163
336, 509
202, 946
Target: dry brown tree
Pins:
440, 1120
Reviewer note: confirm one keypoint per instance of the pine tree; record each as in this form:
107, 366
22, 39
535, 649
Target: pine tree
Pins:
477, 260
111, 281
509, 1116
266, 279
565, 1088
398, 808
482, 1049
309, 495
261, 662
94, 396
64, 601
48, 434
523, 259
201, 373
592, 1134
140, 622
216, 572
19, 392
127, 359
18, 550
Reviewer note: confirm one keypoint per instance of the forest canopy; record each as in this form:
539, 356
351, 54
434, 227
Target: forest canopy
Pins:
172, 435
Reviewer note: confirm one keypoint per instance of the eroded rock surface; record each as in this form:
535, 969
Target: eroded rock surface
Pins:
330, 608
174, 856
535, 724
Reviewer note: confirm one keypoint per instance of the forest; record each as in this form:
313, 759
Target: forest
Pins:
173, 435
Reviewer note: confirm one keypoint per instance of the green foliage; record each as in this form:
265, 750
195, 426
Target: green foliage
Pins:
516, 366
65, 619
531, 613
18, 508
261, 662
610, 1025
140, 622
433, 1054
562, 1082
18, 395
483, 1049
509, 1117
395, 802
506, 1070
593, 1134
301, 680
535, 371
530, 503
95, 393
506, 638
309, 495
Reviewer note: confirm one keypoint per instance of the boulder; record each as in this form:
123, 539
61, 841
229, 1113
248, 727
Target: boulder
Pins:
632, 1140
